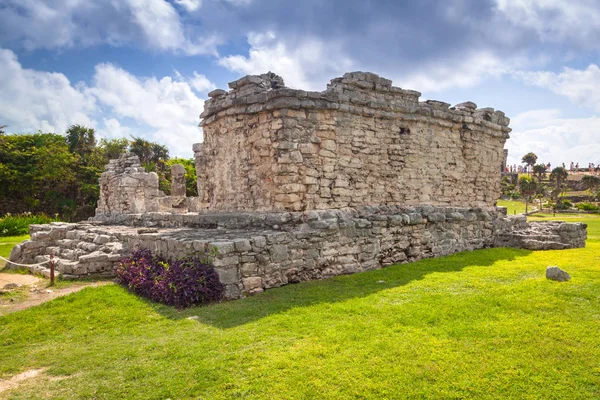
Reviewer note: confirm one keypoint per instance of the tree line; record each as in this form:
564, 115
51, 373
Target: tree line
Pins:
58, 174
537, 184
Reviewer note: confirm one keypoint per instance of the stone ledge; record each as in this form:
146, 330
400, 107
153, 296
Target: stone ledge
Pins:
250, 255
357, 92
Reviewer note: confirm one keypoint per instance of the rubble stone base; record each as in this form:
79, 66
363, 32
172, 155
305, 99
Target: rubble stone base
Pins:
256, 251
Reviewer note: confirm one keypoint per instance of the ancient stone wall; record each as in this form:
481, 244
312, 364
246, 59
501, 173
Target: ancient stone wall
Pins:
126, 188
360, 142
257, 251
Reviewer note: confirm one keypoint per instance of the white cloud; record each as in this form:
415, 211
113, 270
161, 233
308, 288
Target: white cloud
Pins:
169, 107
164, 110
112, 129
553, 138
580, 86
307, 66
556, 20
466, 72
32, 100
189, 5
58, 23
312, 63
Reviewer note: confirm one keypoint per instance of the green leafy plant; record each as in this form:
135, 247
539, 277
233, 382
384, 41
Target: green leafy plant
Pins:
587, 207
13, 225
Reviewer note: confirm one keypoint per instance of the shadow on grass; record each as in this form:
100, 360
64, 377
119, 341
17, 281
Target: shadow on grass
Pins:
273, 301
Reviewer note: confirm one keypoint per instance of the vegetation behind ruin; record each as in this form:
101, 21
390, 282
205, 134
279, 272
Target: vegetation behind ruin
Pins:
58, 174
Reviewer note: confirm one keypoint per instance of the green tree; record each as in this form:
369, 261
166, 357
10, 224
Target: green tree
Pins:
113, 148
191, 182
592, 183
81, 139
2, 127
558, 177
141, 148
528, 188
529, 159
539, 171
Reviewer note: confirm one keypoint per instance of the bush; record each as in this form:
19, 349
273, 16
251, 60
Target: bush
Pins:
563, 204
182, 283
14, 225
587, 207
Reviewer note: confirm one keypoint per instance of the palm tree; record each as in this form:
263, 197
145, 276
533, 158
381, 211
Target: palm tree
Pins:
591, 182
529, 159
528, 188
141, 148
2, 127
81, 139
160, 155
539, 171
558, 176
149, 153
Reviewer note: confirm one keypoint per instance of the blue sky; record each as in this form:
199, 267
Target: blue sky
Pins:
144, 67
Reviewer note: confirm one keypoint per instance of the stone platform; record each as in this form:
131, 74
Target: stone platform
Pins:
254, 251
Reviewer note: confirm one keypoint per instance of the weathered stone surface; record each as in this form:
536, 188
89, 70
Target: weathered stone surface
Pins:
178, 181
360, 142
125, 188
251, 255
557, 274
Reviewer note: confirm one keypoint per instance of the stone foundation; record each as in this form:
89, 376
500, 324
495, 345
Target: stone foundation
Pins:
257, 251
320, 184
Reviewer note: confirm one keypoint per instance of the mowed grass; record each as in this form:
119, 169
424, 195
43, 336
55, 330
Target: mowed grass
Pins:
481, 325
6, 245
515, 206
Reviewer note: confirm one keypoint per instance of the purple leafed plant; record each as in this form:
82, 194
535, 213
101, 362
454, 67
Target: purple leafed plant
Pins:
181, 283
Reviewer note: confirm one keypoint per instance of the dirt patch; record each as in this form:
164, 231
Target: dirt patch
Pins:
19, 279
37, 294
13, 382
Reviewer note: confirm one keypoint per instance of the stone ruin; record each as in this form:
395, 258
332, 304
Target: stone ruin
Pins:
297, 185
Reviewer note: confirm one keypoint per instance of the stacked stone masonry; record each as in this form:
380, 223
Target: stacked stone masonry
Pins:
257, 251
360, 142
297, 185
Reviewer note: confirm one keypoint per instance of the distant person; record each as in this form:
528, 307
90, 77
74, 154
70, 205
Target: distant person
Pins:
572, 166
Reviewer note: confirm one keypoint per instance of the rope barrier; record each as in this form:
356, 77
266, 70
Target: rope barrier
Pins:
24, 265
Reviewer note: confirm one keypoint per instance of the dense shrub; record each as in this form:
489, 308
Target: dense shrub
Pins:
587, 207
13, 225
182, 283
563, 204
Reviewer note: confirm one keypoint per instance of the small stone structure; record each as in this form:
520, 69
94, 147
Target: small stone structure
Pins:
126, 188
298, 185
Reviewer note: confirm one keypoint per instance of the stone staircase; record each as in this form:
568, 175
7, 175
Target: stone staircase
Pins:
77, 249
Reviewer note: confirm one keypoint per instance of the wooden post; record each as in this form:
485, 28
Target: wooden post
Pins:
52, 268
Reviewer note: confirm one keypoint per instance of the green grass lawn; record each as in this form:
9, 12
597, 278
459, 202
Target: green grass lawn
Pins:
6, 245
484, 324
515, 206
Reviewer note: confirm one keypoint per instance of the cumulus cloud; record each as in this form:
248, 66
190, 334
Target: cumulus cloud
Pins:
63, 24
32, 100
312, 62
189, 5
575, 22
554, 138
579, 86
308, 66
164, 110
169, 108
467, 72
